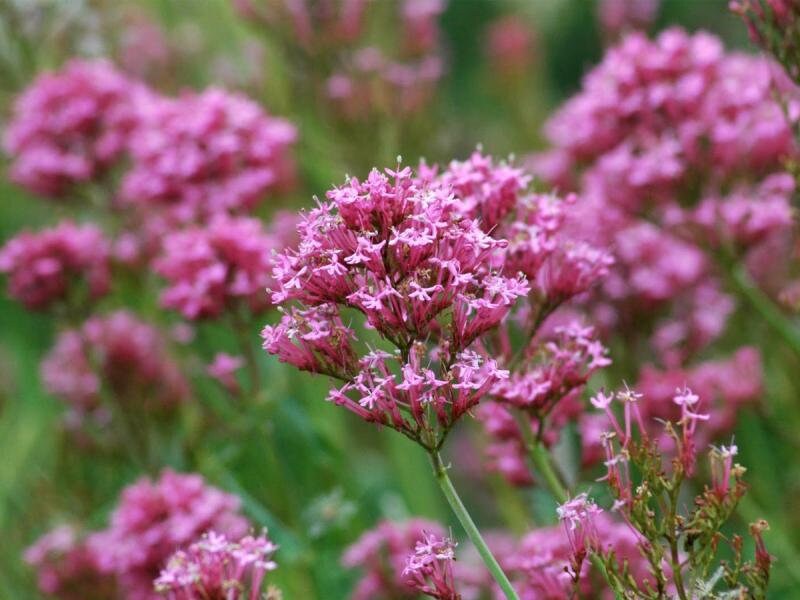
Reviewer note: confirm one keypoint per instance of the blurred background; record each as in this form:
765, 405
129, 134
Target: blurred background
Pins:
313, 474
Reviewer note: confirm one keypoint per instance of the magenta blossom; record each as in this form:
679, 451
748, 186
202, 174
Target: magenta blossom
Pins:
156, 518
223, 368
396, 249
223, 266
430, 568
69, 126
65, 263
67, 568
208, 153
116, 357
216, 567
383, 554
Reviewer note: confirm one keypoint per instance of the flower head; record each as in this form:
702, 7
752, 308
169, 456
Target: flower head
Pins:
67, 568
116, 357
578, 517
398, 249
218, 267
156, 518
64, 263
430, 568
204, 154
384, 553
216, 567
69, 126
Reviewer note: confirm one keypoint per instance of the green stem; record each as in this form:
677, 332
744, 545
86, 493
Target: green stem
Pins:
540, 457
440, 471
242, 331
677, 572
762, 303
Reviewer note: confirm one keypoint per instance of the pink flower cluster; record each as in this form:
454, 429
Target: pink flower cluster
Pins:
547, 389
222, 266
542, 563
511, 47
383, 553
557, 264
206, 153
115, 357
71, 125
215, 567
578, 516
652, 133
653, 111
156, 518
67, 568
397, 249
67, 263
676, 147
727, 386
430, 568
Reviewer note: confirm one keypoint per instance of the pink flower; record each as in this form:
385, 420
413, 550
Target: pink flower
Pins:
397, 249
216, 567
67, 568
725, 385
578, 517
113, 357
673, 145
66, 263
430, 568
204, 154
721, 460
620, 16
156, 518
217, 268
69, 126
547, 387
420, 26
511, 46
383, 555
223, 368
540, 564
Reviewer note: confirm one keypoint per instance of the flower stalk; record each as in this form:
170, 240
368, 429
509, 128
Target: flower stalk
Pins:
472, 531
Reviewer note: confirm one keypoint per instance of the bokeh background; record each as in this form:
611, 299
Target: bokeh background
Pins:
313, 474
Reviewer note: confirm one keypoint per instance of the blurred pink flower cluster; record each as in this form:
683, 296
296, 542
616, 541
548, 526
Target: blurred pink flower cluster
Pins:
618, 17
216, 567
383, 553
153, 520
112, 362
223, 266
66, 264
206, 153
401, 560
67, 568
71, 125
190, 160
677, 149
